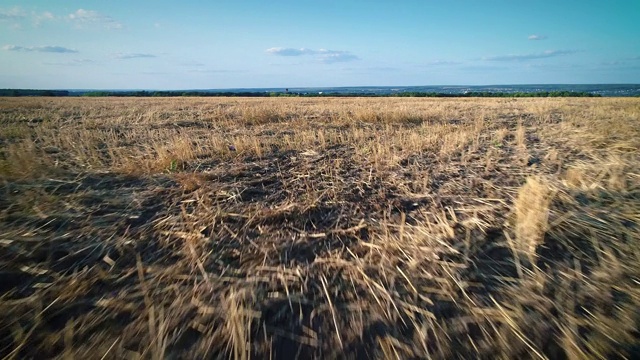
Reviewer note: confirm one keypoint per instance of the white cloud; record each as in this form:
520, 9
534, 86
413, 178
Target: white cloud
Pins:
127, 56
17, 17
82, 17
525, 57
537, 37
38, 19
322, 55
51, 49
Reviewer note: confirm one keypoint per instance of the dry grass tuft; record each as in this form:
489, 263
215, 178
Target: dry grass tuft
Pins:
532, 214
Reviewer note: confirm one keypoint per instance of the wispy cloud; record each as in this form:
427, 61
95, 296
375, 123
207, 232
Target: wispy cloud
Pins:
621, 61
191, 63
73, 62
371, 69
212, 71
337, 56
82, 17
323, 55
15, 13
50, 49
443, 63
613, 63
127, 56
534, 56
555, 67
483, 68
617, 66
290, 51
627, 64
382, 68
537, 37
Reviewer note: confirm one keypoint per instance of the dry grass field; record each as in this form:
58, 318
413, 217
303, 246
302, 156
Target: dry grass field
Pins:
281, 228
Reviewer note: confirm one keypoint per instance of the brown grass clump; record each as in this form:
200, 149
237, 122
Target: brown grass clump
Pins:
319, 228
532, 214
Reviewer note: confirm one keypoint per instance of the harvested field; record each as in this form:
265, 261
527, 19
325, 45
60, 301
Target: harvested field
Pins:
192, 228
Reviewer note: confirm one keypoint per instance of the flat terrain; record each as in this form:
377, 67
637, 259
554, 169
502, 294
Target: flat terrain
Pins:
192, 228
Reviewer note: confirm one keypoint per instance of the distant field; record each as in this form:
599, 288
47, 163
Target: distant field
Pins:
319, 228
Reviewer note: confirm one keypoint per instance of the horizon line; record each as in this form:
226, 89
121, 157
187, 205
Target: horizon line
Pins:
320, 87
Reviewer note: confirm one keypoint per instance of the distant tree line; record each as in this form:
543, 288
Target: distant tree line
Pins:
337, 94
29, 92
500, 94
145, 93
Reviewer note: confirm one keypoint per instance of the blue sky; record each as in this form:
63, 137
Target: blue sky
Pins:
249, 43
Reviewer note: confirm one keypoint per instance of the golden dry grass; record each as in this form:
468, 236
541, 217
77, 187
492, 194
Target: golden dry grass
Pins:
319, 228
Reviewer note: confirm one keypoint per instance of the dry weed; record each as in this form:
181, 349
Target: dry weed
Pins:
532, 214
